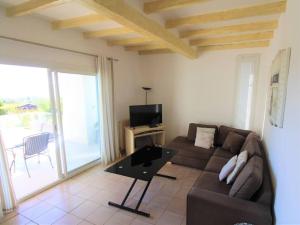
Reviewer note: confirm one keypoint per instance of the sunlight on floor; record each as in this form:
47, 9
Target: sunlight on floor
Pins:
41, 173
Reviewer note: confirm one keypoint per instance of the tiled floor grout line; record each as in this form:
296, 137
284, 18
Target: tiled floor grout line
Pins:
70, 191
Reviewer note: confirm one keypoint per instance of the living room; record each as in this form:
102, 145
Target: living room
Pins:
218, 64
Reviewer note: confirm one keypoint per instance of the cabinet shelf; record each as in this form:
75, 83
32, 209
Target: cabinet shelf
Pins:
132, 133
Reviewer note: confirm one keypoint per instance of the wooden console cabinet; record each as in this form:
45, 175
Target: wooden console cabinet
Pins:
131, 133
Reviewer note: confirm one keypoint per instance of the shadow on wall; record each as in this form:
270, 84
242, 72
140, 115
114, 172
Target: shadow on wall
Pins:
166, 91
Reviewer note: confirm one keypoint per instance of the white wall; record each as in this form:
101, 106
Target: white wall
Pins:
283, 144
201, 90
127, 70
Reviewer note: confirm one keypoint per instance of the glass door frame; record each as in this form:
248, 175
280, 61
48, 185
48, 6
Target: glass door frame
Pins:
58, 174
63, 173
59, 131
54, 96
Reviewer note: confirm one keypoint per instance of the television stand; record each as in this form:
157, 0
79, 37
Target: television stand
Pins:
131, 133
153, 125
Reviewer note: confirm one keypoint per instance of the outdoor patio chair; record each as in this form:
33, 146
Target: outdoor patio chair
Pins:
36, 145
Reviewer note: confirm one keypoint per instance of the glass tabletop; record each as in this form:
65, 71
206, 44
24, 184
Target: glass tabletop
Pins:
144, 163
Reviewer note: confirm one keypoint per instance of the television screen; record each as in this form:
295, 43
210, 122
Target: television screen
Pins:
145, 115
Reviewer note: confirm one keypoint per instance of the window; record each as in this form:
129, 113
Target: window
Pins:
247, 72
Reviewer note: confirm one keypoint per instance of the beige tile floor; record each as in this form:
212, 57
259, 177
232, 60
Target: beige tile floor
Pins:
83, 200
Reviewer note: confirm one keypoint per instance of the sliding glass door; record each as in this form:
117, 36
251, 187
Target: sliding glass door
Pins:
49, 123
26, 118
79, 118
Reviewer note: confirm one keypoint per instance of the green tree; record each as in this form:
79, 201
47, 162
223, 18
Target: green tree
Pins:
43, 105
3, 111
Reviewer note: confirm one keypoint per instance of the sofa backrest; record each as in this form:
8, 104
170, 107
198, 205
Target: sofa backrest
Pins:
192, 132
251, 135
224, 130
265, 194
249, 179
252, 145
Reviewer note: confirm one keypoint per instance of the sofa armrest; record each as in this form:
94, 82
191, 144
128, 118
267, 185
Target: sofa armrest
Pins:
211, 208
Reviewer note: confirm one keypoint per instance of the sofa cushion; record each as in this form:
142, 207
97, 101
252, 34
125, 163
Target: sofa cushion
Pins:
227, 168
220, 152
253, 147
189, 161
249, 179
215, 164
233, 142
193, 131
210, 181
240, 163
265, 194
205, 137
224, 130
248, 138
186, 148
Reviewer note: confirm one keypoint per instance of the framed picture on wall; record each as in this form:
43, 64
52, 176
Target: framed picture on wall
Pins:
278, 87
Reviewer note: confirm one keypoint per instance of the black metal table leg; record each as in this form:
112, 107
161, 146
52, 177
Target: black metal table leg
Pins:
141, 198
122, 206
129, 209
128, 193
165, 176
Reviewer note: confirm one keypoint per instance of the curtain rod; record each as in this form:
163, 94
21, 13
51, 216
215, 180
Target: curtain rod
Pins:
54, 47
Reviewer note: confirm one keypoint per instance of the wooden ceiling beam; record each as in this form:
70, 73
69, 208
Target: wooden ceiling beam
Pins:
255, 44
163, 5
144, 47
239, 13
32, 6
257, 26
231, 39
107, 32
78, 21
157, 51
131, 18
129, 41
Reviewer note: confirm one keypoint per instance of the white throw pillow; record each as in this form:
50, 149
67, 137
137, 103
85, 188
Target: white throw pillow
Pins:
228, 168
205, 137
240, 163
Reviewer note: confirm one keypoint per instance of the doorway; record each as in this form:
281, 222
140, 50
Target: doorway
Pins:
25, 115
79, 118
49, 124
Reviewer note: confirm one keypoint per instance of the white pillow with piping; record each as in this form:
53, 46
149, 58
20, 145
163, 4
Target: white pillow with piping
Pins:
205, 137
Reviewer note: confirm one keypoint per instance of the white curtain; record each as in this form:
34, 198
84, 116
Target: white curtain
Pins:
108, 125
7, 196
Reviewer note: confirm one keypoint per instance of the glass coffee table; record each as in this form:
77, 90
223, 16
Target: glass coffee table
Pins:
143, 164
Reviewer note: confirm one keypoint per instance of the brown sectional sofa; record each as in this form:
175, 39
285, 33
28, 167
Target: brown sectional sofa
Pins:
211, 202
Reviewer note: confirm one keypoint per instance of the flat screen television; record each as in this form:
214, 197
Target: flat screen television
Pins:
145, 115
